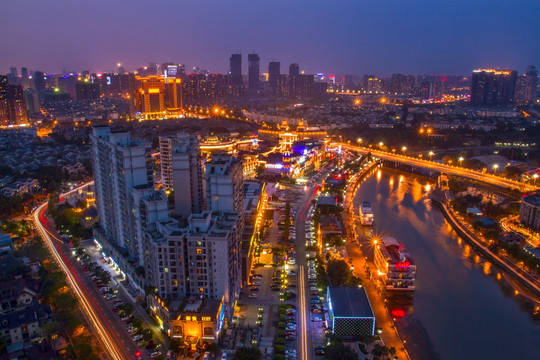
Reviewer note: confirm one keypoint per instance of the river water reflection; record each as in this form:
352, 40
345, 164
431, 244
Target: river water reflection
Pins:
462, 308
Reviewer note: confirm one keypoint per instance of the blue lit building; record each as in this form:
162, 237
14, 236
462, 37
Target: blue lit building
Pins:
350, 313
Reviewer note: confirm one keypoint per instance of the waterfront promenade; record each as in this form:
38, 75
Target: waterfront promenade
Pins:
390, 335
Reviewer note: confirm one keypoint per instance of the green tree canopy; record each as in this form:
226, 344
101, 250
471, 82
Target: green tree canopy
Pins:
247, 353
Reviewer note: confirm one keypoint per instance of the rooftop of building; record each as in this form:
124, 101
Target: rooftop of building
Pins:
533, 199
190, 306
350, 302
29, 314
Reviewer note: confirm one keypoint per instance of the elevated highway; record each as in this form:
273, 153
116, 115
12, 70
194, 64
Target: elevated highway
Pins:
447, 169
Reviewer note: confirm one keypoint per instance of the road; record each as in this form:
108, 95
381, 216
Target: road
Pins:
531, 238
305, 341
447, 169
107, 326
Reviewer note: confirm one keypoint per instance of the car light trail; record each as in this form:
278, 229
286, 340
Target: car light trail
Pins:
89, 307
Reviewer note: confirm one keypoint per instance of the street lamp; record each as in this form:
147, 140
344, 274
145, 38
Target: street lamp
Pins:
431, 155
403, 149
461, 160
495, 167
359, 140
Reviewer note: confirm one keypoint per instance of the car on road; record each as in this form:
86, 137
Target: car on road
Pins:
320, 351
155, 354
224, 356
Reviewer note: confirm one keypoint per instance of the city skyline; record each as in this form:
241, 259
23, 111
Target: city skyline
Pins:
433, 38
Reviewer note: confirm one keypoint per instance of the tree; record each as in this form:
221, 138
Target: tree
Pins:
147, 334
338, 272
248, 353
339, 351
137, 323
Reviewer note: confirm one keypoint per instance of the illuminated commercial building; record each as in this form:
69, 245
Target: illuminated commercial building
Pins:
193, 320
350, 312
150, 97
493, 87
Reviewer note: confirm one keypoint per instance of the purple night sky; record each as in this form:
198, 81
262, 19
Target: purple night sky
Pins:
333, 36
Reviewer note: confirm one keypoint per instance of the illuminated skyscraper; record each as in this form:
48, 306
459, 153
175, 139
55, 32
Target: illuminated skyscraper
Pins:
253, 71
493, 87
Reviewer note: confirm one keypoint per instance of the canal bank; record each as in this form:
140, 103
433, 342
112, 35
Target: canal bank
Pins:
471, 238
459, 295
390, 335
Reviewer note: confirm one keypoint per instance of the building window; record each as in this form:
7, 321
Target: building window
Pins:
199, 251
208, 330
177, 330
206, 318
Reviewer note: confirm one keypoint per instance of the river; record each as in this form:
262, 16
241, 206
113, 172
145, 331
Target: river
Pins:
462, 308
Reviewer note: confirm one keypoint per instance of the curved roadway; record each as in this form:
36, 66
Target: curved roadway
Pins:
113, 337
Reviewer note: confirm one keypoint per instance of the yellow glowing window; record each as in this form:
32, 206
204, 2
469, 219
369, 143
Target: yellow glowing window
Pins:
188, 318
201, 290
199, 251
206, 318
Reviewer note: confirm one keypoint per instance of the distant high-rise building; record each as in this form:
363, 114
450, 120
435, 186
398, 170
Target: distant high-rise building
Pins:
120, 164
402, 84
236, 69
273, 77
531, 87
12, 104
181, 172
493, 87
25, 81
32, 101
13, 76
39, 80
87, 91
253, 71
174, 96
294, 70
152, 69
